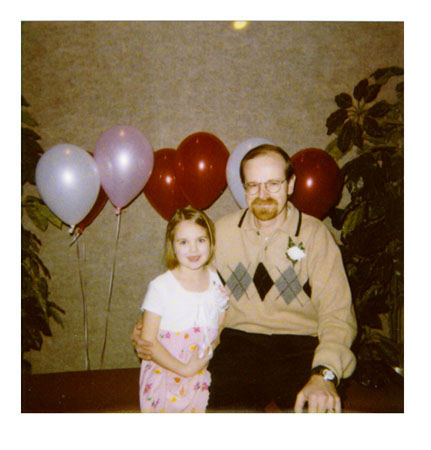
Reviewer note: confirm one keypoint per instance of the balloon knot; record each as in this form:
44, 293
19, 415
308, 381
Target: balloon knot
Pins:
118, 210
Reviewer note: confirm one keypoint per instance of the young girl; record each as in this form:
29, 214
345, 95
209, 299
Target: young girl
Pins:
183, 311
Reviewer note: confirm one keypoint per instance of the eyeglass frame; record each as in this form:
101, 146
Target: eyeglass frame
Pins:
255, 184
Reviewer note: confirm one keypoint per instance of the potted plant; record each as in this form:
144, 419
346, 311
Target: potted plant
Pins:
370, 130
36, 308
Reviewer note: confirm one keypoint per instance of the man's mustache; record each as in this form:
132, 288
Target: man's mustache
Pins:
266, 201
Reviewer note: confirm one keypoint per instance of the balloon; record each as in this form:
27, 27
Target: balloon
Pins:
318, 182
68, 181
125, 161
232, 168
200, 167
162, 189
100, 203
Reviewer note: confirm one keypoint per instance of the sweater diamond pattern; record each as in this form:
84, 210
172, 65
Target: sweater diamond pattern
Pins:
239, 281
262, 281
288, 285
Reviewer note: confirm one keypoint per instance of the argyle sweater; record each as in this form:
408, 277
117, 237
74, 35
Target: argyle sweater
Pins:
270, 294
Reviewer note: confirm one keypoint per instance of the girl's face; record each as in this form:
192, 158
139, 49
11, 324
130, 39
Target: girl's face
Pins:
191, 245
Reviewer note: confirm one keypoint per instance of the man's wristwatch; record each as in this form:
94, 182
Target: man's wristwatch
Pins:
326, 373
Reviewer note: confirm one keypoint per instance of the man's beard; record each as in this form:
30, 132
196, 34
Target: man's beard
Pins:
265, 209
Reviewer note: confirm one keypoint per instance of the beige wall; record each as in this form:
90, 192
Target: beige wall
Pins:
275, 80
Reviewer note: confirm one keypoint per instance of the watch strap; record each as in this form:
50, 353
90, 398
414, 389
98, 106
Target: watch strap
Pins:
326, 373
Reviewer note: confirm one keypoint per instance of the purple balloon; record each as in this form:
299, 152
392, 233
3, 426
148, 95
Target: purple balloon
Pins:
68, 181
125, 160
232, 169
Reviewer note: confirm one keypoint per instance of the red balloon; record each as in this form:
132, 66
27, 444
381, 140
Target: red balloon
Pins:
100, 203
318, 182
200, 167
162, 189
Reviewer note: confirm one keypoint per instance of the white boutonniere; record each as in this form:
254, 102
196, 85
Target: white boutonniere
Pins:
295, 252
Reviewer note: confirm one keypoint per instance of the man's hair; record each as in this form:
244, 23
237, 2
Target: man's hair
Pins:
265, 149
180, 215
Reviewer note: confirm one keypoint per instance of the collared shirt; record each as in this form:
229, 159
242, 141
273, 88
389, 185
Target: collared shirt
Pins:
271, 294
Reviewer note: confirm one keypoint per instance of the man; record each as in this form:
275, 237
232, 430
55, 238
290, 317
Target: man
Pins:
290, 323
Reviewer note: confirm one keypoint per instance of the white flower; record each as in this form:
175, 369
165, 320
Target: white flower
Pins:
295, 253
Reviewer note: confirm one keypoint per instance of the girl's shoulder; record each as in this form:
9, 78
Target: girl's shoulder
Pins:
162, 280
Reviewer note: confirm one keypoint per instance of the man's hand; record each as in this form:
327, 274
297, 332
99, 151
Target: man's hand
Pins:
321, 396
142, 347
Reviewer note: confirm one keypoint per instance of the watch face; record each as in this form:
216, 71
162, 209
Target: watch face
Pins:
328, 375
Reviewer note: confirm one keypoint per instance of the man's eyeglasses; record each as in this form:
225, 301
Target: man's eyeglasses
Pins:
272, 186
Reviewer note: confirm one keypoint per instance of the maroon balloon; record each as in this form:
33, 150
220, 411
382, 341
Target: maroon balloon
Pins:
162, 189
318, 182
100, 203
201, 168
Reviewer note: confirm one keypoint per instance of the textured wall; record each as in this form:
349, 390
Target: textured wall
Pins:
275, 80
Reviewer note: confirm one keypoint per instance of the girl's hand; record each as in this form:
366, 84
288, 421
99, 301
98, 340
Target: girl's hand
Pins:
195, 363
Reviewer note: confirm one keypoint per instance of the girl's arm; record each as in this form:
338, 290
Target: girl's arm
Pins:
150, 330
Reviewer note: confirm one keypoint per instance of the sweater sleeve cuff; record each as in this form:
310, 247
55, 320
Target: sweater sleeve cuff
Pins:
341, 361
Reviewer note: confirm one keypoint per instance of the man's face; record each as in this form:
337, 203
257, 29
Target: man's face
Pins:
268, 167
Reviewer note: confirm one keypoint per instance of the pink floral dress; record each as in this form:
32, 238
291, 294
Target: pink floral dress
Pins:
160, 389
164, 391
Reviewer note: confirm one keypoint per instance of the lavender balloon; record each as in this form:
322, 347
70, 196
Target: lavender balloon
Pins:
68, 182
125, 160
232, 168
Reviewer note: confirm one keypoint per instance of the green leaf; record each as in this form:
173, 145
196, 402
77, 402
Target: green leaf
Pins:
357, 135
335, 120
42, 294
27, 119
31, 151
372, 127
333, 150
36, 217
379, 109
57, 318
343, 100
359, 171
390, 350
353, 219
337, 217
377, 206
372, 92
29, 134
53, 306
383, 75
345, 138
40, 214
29, 240
360, 89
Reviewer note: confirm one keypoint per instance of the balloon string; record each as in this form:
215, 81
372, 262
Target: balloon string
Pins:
75, 237
110, 289
84, 309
